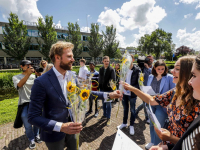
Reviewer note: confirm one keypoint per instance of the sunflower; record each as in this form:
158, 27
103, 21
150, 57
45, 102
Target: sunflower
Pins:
142, 79
70, 87
84, 94
124, 61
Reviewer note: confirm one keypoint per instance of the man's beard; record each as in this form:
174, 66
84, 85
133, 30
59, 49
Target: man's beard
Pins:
65, 66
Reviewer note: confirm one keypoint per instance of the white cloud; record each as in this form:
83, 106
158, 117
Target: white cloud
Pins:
188, 15
85, 29
198, 6
189, 1
142, 15
194, 29
78, 20
176, 3
88, 16
197, 16
191, 40
25, 9
121, 40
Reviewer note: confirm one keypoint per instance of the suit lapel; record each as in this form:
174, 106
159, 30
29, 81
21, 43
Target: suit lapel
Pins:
162, 83
54, 81
150, 80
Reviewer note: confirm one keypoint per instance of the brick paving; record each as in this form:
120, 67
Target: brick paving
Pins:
94, 136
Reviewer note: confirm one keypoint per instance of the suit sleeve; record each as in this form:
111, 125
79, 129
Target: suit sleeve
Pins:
97, 95
113, 75
38, 97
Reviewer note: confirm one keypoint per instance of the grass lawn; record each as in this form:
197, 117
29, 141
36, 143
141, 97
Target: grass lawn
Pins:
8, 110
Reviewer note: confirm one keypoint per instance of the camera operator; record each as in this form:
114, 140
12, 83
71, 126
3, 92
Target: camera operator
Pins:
23, 83
146, 65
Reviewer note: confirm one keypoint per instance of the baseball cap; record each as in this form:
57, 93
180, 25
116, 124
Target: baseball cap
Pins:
26, 62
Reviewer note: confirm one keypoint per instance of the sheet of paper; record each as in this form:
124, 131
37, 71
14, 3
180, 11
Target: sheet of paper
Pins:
123, 142
153, 118
147, 90
108, 101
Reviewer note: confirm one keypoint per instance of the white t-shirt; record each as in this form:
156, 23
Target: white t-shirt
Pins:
24, 91
128, 80
83, 71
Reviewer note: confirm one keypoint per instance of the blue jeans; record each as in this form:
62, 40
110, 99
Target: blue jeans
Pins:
106, 109
31, 132
161, 116
125, 102
142, 106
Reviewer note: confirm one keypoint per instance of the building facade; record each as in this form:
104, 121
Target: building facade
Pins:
33, 54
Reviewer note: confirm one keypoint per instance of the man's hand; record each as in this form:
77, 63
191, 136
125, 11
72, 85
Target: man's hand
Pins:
159, 147
38, 74
146, 65
71, 128
116, 94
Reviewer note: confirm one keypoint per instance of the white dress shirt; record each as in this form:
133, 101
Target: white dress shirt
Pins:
83, 71
63, 84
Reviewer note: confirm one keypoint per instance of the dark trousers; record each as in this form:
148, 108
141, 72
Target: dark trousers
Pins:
91, 104
126, 100
142, 106
69, 141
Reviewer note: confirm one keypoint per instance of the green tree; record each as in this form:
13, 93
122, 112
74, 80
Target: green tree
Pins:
15, 38
118, 54
136, 56
110, 43
74, 36
95, 41
46, 35
158, 42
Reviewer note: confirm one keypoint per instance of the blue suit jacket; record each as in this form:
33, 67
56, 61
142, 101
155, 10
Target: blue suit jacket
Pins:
48, 106
166, 83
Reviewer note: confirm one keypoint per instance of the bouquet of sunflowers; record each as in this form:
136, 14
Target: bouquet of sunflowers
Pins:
78, 92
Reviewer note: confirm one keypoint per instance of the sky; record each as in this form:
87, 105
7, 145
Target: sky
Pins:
132, 18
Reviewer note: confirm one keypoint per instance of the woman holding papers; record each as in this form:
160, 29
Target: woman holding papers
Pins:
181, 110
161, 82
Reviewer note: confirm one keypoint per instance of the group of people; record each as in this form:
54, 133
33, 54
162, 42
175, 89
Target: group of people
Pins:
43, 103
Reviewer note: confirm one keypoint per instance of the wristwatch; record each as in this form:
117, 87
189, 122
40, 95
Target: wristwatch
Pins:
108, 96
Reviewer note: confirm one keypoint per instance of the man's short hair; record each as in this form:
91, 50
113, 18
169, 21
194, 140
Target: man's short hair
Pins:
149, 56
57, 49
92, 63
82, 60
106, 57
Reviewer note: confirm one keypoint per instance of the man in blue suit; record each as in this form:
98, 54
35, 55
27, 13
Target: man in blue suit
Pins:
48, 106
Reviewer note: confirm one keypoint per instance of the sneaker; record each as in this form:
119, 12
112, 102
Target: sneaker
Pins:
122, 126
132, 132
96, 114
38, 140
88, 113
102, 118
32, 145
149, 145
148, 121
108, 122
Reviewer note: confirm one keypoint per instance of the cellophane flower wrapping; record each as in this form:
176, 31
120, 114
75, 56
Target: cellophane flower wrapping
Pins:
78, 95
126, 62
141, 79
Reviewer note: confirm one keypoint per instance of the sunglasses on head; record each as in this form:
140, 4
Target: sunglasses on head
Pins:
44, 63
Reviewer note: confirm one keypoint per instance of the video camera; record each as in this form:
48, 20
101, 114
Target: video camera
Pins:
38, 69
141, 60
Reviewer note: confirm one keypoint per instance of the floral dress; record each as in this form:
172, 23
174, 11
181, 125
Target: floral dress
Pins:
178, 120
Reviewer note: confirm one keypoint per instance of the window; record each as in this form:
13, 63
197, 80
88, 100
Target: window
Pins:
35, 33
62, 35
34, 47
0, 45
85, 49
84, 38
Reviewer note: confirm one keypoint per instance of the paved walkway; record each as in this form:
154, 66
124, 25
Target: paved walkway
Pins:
94, 136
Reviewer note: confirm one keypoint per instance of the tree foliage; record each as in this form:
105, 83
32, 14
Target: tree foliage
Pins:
158, 42
15, 38
46, 35
95, 41
74, 36
110, 43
